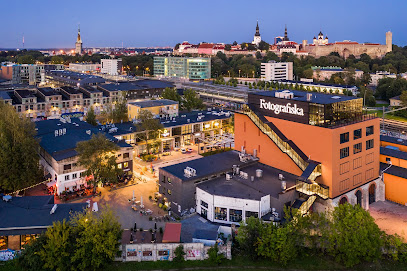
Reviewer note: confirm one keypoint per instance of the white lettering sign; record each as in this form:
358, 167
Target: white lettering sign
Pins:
278, 108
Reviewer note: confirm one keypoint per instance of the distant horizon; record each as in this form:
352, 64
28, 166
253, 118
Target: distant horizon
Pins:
160, 24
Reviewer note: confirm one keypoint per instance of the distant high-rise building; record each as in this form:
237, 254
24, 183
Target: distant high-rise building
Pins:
257, 37
272, 71
78, 43
111, 66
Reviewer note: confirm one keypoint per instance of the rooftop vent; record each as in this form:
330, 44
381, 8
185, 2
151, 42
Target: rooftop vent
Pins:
189, 172
244, 175
228, 177
259, 173
88, 132
286, 94
7, 198
280, 176
53, 209
336, 97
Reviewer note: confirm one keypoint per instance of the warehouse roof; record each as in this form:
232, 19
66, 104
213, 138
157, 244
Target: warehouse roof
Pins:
153, 103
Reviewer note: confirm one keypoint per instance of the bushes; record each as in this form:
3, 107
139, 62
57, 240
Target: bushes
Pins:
179, 254
214, 255
148, 157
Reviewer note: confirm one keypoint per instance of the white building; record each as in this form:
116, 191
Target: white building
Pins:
257, 37
277, 71
111, 66
375, 77
84, 67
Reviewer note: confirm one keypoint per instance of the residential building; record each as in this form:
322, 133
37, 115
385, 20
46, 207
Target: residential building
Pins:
27, 74
23, 219
375, 77
84, 67
58, 157
324, 139
192, 68
325, 73
275, 71
111, 66
393, 166
395, 101
162, 108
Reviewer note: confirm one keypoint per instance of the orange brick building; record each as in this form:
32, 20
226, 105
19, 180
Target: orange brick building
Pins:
324, 139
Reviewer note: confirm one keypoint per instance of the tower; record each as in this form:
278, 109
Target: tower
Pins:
78, 43
257, 37
285, 34
389, 41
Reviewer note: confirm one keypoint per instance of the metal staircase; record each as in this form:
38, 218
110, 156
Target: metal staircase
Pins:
306, 205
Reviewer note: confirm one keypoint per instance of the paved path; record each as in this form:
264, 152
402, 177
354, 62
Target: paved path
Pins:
390, 217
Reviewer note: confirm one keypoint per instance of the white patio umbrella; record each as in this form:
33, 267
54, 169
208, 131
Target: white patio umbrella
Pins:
141, 202
133, 196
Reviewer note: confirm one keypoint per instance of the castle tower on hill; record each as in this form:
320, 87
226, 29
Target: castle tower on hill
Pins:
78, 43
389, 41
257, 37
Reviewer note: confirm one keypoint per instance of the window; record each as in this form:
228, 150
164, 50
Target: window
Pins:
67, 167
204, 204
344, 152
75, 175
169, 192
125, 164
169, 180
357, 134
369, 130
388, 159
119, 166
235, 215
126, 155
163, 179
357, 148
344, 137
249, 214
147, 253
67, 177
220, 213
369, 144
163, 252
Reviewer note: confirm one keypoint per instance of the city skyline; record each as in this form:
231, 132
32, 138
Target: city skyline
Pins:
161, 24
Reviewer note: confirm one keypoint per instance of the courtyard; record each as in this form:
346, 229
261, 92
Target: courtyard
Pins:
390, 217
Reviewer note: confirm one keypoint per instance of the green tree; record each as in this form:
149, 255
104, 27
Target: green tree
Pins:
403, 98
120, 111
98, 157
308, 73
264, 46
171, 94
214, 255
354, 236
96, 239
25, 59
150, 127
177, 46
191, 100
57, 251
248, 235
30, 259
57, 60
258, 55
91, 116
19, 160
228, 47
179, 254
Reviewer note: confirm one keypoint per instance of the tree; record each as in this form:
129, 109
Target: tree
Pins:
171, 94
56, 252
214, 255
91, 116
264, 46
19, 160
98, 157
149, 125
57, 60
120, 111
179, 254
228, 47
308, 73
177, 46
248, 235
258, 55
234, 43
96, 239
354, 236
30, 259
251, 46
191, 100
25, 59
403, 98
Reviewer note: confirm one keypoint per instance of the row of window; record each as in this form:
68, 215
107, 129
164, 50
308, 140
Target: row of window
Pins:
357, 134
356, 180
235, 215
357, 148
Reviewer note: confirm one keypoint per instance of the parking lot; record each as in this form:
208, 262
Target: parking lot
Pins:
390, 217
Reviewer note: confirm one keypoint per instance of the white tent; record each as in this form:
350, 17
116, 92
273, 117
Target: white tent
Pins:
95, 207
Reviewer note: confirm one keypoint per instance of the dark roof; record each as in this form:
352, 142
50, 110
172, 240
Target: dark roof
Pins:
394, 170
395, 98
237, 187
393, 153
91, 89
206, 166
153, 103
4, 95
48, 91
204, 234
71, 90
33, 211
151, 84
75, 77
393, 140
317, 97
25, 93
314, 83
123, 86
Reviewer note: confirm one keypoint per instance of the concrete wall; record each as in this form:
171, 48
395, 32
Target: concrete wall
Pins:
165, 252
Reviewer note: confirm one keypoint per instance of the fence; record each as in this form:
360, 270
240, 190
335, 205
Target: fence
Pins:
165, 252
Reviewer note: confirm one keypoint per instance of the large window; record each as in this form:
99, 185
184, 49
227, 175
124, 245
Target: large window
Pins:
221, 213
344, 137
369, 130
254, 214
357, 134
126, 155
235, 215
344, 152
357, 148
369, 144
204, 204
67, 167
3, 242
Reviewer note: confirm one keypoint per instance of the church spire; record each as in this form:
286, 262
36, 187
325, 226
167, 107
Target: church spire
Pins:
79, 34
257, 29
285, 34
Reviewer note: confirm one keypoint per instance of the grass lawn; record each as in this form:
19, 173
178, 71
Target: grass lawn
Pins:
242, 263
388, 116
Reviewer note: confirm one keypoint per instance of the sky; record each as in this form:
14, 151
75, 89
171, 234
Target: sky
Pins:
104, 23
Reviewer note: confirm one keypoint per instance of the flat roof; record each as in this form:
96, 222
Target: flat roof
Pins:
91, 89
122, 86
393, 153
317, 97
206, 166
172, 233
237, 187
25, 93
394, 170
4, 95
70, 90
393, 140
33, 212
153, 103
48, 91
205, 234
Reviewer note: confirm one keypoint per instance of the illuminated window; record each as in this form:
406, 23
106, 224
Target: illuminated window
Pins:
369, 130
357, 148
119, 166
220, 213
344, 137
344, 152
125, 165
357, 134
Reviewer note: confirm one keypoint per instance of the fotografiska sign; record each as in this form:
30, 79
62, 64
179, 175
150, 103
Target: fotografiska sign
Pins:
278, 108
